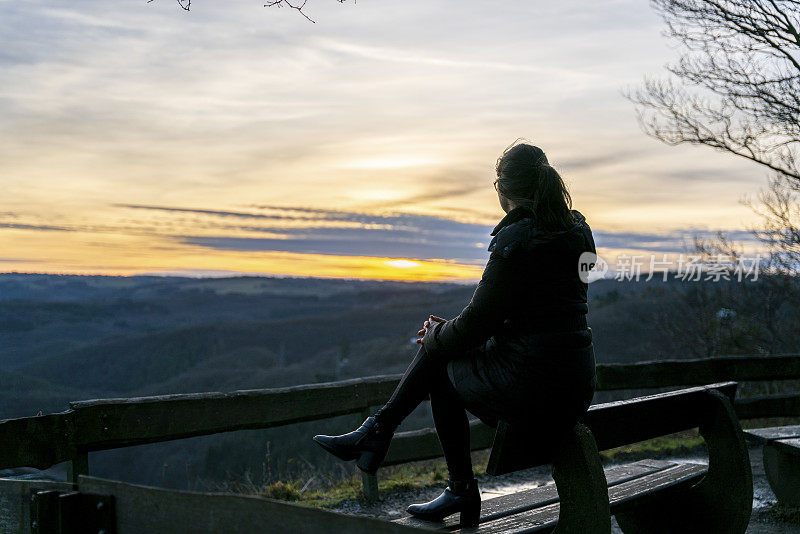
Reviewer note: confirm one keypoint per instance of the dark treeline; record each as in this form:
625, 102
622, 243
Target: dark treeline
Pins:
68, 338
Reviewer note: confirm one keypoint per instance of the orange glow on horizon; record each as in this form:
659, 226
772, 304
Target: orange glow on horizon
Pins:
114, 254
280, 264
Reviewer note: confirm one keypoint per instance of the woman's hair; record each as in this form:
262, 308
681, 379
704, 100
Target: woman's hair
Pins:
525, 177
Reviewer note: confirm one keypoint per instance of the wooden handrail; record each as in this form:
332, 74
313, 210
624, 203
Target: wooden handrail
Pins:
668, 373
98, 424
112, 423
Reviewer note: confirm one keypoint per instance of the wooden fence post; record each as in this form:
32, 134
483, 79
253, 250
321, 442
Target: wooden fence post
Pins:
369, 482
78, 465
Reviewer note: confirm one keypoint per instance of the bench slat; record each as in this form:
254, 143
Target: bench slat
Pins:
763, 435
612, 424
513, 503
790, 446
782, 467
545, 495
623, 422
620, 495
537, 520
625, 494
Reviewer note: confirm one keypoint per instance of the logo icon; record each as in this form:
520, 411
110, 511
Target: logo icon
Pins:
591, 267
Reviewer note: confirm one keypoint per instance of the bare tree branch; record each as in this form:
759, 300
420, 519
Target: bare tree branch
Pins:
736, 89
298, 7
294, 5
185, 4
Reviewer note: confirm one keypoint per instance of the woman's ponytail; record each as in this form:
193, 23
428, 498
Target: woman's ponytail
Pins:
525, 177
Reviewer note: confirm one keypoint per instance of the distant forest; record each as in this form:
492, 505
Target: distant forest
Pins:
66, 338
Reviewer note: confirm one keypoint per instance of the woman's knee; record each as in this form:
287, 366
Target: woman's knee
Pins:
442, 387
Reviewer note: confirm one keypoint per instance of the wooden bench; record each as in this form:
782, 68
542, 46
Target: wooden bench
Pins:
649, 496
781, 454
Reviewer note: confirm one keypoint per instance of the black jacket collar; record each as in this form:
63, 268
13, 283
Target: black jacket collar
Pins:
520, 212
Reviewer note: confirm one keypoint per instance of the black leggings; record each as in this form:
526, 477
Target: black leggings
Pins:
426, 376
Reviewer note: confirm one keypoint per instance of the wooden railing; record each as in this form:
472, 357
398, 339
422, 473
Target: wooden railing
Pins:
98, 505
100, 424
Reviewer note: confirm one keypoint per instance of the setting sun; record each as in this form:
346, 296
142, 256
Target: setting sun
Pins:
402, 264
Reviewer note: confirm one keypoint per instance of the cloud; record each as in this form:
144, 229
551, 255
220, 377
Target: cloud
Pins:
599, 160
337, 232
212, 212
384, 54
360, 244
394, 235
463, 247
398, 221
441, 193
670, 242
35, 227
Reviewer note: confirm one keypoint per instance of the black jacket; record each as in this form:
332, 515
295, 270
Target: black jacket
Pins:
531, 278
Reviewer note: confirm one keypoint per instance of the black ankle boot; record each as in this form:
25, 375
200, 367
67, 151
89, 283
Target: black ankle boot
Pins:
458, 496
368, 443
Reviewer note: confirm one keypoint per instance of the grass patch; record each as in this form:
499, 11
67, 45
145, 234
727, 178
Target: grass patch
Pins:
284, 491
392, 479
319, 490
688, 442
682, 443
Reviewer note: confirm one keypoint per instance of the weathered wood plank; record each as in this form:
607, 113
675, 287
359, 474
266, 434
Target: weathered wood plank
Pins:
15, 502
110, 423
424, 444
613, 424
162, 511
787, 405
544, 495
39, 441
789, 446
541, 519
166, 417
667, 373
622, 422
620, 495
625, 494
782, 467
760, 436
675, 503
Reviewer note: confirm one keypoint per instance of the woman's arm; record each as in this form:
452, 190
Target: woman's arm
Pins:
482, 317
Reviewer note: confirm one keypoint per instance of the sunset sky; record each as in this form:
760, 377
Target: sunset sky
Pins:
139, 138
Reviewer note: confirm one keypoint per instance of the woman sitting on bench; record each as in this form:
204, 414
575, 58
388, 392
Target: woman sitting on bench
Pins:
520, 350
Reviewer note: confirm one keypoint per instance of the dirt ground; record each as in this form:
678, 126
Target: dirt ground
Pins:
393, 506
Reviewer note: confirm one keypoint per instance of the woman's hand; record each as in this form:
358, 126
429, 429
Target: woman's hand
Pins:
428, 324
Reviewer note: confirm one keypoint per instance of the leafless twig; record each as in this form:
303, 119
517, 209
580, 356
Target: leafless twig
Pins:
185, 4
298, 6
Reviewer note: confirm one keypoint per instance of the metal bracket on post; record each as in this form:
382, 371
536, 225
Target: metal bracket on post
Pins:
369, 482
44, 511
71, 512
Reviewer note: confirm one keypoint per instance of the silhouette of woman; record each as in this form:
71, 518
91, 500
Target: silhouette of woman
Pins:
521, 348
